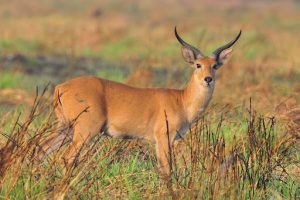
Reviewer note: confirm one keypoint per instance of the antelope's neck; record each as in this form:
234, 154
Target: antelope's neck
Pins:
195, 99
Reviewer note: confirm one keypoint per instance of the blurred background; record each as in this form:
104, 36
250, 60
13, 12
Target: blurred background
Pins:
133, 42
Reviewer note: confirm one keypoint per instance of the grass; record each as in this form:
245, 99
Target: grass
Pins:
262, 154
258, 163
124, 47
18, 45
112, 74
10, 80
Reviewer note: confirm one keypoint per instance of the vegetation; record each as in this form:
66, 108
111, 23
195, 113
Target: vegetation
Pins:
246, 146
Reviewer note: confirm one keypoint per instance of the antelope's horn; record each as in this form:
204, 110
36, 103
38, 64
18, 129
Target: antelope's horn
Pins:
218, 51
196, 52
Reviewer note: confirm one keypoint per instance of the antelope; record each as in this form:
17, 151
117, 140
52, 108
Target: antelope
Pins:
122, 111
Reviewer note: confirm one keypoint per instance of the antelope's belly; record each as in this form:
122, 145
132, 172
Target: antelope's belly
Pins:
126, 132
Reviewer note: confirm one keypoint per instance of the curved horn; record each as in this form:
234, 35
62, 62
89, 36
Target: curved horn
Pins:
185, 44
218, 51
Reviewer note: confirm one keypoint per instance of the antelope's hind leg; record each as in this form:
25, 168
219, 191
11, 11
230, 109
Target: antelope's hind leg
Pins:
85, 112
85, 129
62, 136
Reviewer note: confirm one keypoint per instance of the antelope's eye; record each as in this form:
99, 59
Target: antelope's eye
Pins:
199, 66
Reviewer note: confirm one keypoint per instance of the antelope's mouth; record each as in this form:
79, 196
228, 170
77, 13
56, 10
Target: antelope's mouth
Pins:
210, 84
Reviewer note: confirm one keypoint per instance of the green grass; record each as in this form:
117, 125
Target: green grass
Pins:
18, 45
124, 47
10, 79
114, 74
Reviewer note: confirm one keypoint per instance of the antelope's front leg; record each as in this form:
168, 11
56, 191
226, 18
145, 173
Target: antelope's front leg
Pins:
163, 153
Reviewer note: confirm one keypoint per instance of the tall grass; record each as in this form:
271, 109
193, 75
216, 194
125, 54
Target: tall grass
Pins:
260, 163
251, 167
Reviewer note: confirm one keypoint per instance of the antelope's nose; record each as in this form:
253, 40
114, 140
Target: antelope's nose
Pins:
208, 79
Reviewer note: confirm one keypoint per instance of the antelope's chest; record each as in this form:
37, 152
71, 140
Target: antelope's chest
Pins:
196, 109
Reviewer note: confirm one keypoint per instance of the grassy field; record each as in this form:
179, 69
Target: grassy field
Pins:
238, 150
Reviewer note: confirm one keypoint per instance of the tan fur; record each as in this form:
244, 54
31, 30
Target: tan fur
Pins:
96, 105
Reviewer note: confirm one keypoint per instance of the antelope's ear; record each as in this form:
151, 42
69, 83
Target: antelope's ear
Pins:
224, 56
188, 55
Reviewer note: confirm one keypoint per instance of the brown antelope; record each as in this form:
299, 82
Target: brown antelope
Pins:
122, 111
